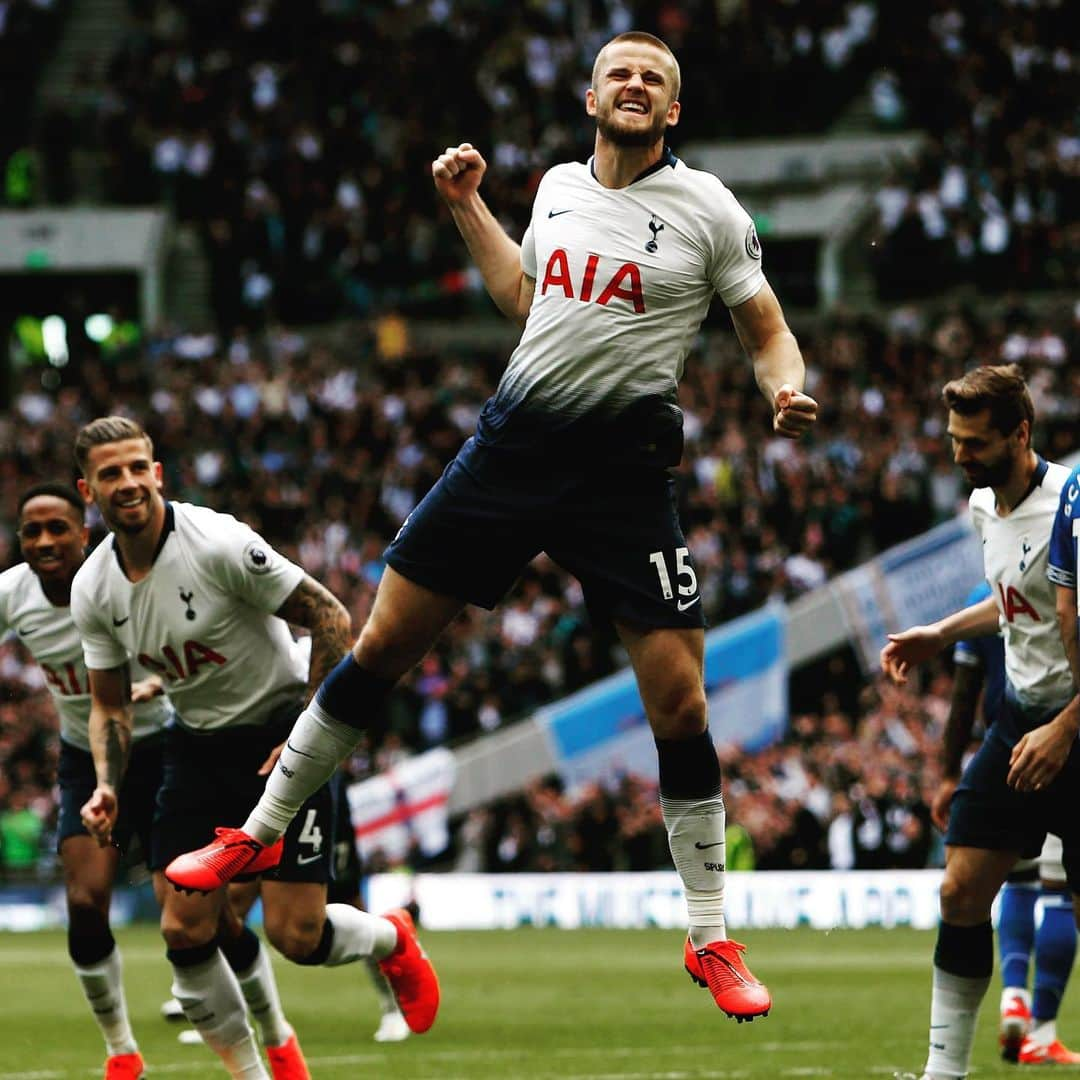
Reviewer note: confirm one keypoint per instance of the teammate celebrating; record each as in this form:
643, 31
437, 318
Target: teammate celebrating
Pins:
202, 600
1027, 1032
1023, 781
34, 602
611, 282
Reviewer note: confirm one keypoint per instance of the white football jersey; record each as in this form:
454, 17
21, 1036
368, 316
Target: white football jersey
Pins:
49, 633
202, 618
1015, 550
624, 279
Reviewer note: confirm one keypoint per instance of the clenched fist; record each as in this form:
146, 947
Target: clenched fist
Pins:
457, 172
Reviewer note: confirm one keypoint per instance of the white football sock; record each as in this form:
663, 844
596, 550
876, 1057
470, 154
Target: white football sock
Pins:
387, 1002
315, 747
954, 1008
214, 1006
260, 991
103, 985
1012, 992
1043, 1032
358, 934
695, 829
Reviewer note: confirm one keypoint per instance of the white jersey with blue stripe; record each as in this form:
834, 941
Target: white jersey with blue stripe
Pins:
1015, 556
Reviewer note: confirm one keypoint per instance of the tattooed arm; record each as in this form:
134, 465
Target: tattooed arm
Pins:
315, 608
110, 743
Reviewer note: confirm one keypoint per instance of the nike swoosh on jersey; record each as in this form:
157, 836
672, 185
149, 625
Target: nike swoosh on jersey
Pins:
689, 603
556, 213
120, 622
23, 631
303, 860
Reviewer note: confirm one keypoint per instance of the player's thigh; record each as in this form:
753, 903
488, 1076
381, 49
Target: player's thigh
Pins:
470, 535
139, 793
405, 620
972, 879
668, 666
294, 913
619, 535
89, 872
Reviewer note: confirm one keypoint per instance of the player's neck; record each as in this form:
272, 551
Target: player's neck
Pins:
58, 593
619, 166
138, 550
1018, 485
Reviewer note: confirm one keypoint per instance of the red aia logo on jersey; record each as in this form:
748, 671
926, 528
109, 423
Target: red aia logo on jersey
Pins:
1014, 602
625, 283
173, 666
56, 680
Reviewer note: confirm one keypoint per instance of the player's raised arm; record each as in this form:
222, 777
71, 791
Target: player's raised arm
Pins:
920, 643
457, 173
315, 608
111, 721
778, 363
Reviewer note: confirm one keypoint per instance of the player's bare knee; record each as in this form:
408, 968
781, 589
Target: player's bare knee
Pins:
87, 901
295, 938
682, 717
962, 902
188, 929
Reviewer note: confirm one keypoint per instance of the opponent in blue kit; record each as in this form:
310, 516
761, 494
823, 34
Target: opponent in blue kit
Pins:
620, 262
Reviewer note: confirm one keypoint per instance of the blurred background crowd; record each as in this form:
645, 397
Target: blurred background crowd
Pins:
296, 140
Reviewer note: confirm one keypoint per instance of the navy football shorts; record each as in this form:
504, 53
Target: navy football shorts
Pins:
987, 813
211, 779
615, 528
138, 793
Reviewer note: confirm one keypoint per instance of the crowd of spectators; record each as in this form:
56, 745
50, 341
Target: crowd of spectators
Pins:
844, 790
995, 197
327, 447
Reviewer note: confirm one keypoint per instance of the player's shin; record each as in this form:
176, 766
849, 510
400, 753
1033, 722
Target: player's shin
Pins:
350, 934
963, 962
312, 752
251, 964
205, 986
693, 810
100, 973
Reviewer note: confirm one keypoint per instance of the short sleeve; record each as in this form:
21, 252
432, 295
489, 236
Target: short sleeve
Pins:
735, 272
1064, 536
101, 650
528, 253
246, 566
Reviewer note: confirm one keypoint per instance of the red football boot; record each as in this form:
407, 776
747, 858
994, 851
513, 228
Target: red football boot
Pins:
1015, 1024
719, 966
231, 855
1032, 1053
410, 974
287, 1061
125, 1067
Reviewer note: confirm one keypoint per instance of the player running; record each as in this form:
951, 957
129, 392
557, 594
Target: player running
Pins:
35, 598
203, 601
571, 455
1023, 781
1027, 1029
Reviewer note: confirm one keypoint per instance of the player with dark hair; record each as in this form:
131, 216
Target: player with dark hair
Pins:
1035, 916
1025, 778
204, 601
571, 455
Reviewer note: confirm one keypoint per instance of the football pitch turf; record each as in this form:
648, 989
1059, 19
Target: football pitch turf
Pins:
565, 1005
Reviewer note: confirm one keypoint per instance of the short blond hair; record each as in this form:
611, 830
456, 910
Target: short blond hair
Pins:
642, 38
104, 430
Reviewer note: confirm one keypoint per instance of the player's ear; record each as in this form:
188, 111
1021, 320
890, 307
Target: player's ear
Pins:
84, 491
159, 475
673, 112
590, 102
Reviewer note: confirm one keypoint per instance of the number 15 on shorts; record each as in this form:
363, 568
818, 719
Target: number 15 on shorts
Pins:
684, 574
